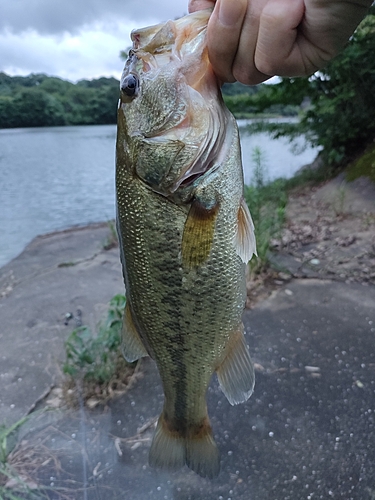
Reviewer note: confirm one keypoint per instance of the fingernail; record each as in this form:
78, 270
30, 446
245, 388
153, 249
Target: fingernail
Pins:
230, 12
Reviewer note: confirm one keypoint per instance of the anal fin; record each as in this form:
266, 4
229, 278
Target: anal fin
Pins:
245, 237
132, 346
198, 234
236, 372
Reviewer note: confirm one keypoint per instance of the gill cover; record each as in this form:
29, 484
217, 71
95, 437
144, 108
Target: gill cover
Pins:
174, 121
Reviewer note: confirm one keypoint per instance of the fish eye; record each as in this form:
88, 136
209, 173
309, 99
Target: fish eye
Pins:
129, 85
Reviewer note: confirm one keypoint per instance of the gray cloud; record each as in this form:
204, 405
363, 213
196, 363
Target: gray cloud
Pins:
56, 17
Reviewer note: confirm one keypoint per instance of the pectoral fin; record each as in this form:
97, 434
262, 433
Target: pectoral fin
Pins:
198, 234
132, 346
236, 372
245, 237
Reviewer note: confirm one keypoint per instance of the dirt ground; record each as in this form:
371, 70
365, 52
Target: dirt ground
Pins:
329, 234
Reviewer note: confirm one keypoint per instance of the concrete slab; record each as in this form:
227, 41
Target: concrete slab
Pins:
307, 432
56, 274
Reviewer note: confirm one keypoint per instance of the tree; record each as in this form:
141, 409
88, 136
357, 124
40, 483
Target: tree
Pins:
338, 102
342, 117
39, 100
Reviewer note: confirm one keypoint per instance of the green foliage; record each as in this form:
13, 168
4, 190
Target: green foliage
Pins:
237, 88
39, 100
342, 116
338, 102
364, 166
261, 99
94, 357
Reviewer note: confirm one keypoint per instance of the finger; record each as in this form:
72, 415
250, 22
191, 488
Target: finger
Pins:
223, 34
195, 5
278, 48
244, 69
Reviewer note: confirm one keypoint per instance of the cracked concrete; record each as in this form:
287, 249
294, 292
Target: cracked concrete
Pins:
56, 274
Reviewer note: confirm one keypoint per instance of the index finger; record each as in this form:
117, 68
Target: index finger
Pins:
195, 5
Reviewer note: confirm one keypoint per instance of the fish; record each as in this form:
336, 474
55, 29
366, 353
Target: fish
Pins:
185, 235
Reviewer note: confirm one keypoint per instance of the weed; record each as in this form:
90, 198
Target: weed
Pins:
112, 239
95, 359
267, 204
28, 462
5, 433
11, 480
259, 170
339, 201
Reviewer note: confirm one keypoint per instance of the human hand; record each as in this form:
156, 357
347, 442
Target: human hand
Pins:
253, 40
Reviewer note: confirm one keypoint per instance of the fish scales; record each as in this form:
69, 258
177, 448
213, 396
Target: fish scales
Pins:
184, 273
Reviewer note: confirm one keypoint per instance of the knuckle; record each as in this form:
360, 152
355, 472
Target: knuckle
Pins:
267, 67
242, 75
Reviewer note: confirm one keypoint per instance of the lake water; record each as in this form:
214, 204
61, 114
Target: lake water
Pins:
54, 178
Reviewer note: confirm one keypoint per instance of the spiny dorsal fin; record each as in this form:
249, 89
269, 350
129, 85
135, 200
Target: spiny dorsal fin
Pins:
198, 234
132, 346
236, 372
245, 237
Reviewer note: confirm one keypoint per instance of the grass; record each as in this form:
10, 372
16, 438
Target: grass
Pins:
14, 467
94, 365
23, 467
112, 239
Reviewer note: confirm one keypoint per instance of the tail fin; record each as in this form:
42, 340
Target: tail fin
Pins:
202, 454
198, 450
167, 448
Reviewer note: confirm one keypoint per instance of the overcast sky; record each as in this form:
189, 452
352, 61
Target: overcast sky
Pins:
74, 39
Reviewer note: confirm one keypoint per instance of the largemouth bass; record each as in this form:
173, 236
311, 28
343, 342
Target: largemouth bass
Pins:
185, 235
